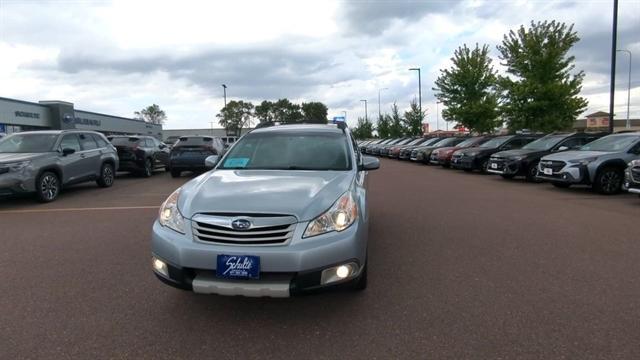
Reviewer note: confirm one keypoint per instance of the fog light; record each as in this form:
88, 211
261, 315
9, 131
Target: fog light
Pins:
160, 266
338, 273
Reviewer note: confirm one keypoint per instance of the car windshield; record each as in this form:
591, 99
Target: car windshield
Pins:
414, 142
28, 143
445, 142
124, 140
611, 143
290, 151
495, 142
544, 143
468, 142
404, 142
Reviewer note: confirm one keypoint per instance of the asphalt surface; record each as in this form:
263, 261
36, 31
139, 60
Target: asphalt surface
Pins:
462, 266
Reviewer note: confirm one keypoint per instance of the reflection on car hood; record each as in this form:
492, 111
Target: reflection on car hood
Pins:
476, 150
14, 157
517, 152
574, 155
305, 194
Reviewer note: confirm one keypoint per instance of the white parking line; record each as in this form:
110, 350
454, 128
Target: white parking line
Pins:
78, 209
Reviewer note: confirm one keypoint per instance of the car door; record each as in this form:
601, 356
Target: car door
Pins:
91, 156
162, 153
71, 164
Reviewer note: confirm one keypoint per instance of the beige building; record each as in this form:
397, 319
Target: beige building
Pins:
599, 121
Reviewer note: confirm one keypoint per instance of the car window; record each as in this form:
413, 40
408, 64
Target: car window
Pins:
70, 141
303, 150
150, 143
573, 142
99, 140
87, 142
194, 141
496, 142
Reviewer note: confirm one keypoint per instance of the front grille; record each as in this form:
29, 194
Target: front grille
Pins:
556, 166
635, 174
264, 230
500, 164
414, 153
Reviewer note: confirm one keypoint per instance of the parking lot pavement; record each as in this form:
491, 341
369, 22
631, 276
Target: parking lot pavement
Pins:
461, 266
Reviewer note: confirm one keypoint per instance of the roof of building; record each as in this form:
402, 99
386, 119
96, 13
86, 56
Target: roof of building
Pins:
598, 114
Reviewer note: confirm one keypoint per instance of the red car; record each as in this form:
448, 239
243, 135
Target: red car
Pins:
443, 155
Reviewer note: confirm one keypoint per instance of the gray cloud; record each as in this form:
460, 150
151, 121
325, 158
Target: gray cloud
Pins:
373, 17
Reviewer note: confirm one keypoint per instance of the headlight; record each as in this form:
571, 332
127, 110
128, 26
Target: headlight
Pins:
340, 216
585, 161
169, 215
17, 166
634, 163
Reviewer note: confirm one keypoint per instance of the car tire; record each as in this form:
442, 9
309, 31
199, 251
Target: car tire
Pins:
484, 166
560, 185
175, 173
608, 181
147, 171
360, 283
532, 172
48, 186
107, 176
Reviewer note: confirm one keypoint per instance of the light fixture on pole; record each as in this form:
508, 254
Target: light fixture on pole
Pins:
628, 87
379, 111
224, 88
419, 88
366, 118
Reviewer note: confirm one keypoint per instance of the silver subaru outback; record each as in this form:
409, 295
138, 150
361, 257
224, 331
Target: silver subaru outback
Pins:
44, 162
283, 212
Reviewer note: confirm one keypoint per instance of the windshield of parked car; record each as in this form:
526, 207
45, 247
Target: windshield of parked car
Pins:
544, 143
124, 141
28, 143
495, 142
446, 142
404, 142
305, 150
611, 143
414, 142
468, 142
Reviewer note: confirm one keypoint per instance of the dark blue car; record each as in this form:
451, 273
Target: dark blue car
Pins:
189, 153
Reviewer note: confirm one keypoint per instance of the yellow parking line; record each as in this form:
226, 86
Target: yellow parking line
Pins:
78, 209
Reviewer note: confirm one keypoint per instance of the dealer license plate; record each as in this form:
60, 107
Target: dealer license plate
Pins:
238, 267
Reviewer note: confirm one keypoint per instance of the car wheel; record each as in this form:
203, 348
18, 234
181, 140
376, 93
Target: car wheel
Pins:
148, 168
47, 187
484, 166
608, 181
360, 283
560, 185
532, 171
175, 173
107, 176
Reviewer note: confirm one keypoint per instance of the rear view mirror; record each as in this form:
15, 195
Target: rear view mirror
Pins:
369, 163
211, 161
68, 151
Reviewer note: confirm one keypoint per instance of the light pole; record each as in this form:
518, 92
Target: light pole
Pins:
612, 85
366, 118
224, 88
628, 87
419, 88
380, 112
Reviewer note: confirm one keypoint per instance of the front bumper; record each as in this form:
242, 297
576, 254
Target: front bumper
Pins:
466, 162
286, 270
23, 181
569, 174
630, 184
504, 167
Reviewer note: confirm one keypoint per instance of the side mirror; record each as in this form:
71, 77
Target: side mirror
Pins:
68, 151
211, 161
369, 163
563, 148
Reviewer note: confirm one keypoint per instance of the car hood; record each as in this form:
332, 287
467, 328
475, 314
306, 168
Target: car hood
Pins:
304, 194
518, 152
14, 157
574, 155
474, 151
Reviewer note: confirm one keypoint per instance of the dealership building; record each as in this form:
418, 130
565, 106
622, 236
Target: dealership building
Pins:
18, 115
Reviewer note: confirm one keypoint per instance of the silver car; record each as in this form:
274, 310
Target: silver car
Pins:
283, 212
43, 162
600, 163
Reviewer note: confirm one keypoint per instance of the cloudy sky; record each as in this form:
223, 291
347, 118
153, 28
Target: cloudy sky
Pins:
117, 57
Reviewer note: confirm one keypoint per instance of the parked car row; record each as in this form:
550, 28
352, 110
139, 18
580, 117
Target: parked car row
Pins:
608, 163
44, 162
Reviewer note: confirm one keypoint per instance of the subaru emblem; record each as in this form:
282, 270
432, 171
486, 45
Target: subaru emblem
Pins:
240, 224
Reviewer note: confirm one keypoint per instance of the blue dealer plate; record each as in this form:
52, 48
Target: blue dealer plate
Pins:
238, 267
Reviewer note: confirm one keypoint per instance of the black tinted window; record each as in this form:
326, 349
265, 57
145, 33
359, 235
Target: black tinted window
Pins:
195, 141
70, 142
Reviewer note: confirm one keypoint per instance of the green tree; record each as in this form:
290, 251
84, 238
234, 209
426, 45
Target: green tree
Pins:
235, 116
384, 126
152, 114
412, 120
364, 129
540, 93
468, 90
396, 127
314, 112
287, 112
265, 111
